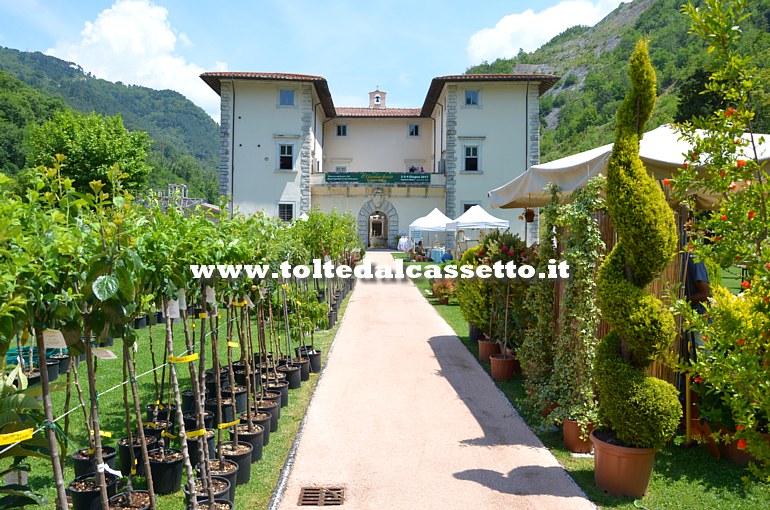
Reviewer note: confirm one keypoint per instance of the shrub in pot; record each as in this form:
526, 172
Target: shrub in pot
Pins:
572, 379
475, 300
641, 412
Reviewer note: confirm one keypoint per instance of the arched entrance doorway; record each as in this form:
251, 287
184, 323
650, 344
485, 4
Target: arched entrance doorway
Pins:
378, 230
386, 214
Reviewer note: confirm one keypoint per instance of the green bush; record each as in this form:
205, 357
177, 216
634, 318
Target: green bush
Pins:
473, 295
642, 411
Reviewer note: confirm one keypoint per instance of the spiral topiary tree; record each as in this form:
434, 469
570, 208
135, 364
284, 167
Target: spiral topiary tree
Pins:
642, 411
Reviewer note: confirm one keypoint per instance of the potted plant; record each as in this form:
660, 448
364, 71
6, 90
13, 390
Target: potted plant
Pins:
724, 163
572, 379
529, 215
536, 351
444, 289
639, 412
474, 297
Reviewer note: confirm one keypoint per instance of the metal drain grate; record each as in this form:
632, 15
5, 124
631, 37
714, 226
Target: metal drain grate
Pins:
321, 496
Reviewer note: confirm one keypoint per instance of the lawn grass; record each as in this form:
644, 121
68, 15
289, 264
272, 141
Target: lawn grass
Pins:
683, 477
264, 474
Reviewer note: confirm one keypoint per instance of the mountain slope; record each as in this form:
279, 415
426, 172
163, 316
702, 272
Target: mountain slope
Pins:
185, 147
579, 112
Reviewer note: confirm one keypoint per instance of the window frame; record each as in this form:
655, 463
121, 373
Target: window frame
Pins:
341, 127
477, 157
413, 130
291, 210
469, 93
280, 155
281, 92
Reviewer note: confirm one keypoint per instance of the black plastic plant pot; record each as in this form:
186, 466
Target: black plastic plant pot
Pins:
85, 491
140, 322
280, 387
240, 397
85, 462
227, 410
262, 419
165, 411
188, 401
166, 467
64, 362
52, 365
315, 361
293, 375
268, 406
221, 483
156, 428
193, 446
255, 439
134, 500
332, 318
191, 420
241, 455
304, 368
240, 377
125, 454
231, 474
203, 503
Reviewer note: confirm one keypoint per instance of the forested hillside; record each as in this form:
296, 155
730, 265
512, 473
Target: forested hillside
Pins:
579, 112
184, 137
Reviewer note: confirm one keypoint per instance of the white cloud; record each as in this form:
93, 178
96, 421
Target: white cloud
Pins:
529, 30
133, 42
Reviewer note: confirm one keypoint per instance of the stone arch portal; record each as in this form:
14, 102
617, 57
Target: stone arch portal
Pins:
385, 208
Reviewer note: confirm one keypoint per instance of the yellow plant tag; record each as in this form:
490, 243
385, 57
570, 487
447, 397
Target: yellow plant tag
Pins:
103, 433
228, 425
163, 433
183, 359
234, 345
195, 433
14, 437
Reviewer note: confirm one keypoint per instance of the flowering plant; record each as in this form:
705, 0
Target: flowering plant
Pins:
724, 162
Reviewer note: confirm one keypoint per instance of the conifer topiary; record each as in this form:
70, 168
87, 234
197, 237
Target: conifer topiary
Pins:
643, 411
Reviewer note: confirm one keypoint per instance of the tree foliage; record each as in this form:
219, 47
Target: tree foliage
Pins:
92, 145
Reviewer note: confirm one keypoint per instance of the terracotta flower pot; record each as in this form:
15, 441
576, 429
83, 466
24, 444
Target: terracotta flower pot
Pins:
503, 367
572, 440
622, 471
487, 348
529, 215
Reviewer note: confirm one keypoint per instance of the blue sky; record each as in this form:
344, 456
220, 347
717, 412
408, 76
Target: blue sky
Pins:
356, 45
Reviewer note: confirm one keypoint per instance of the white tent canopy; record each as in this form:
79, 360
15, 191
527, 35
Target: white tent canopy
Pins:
435, 221
661, 151
476, 217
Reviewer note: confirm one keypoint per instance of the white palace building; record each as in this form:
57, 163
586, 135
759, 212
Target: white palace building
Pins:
286, 148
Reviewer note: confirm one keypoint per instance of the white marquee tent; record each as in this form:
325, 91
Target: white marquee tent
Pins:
476, 217
435, 221
661, 151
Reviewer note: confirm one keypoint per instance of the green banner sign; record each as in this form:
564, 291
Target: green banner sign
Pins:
378, 178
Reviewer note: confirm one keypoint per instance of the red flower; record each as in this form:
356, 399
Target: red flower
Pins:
698, 380
666, 182
746, 284
741, 341
722, 173
741, 163
739, 428
766, 299
724, 218
767, 363
741, 444
730, 111
737, 141
685, 164
751, 215
704, 337
767, 266
690, 247
733, 186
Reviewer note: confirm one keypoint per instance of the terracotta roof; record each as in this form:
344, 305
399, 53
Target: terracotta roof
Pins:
378, 112
544, 81
213, 80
